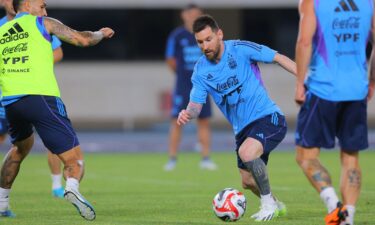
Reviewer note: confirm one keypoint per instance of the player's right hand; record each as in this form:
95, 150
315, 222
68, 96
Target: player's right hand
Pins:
107, 32
183, 117
300, 93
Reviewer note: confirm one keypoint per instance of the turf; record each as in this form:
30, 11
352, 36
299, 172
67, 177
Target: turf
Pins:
133, 189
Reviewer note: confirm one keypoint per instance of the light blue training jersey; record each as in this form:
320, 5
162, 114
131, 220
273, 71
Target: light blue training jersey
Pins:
338, 67
235, 83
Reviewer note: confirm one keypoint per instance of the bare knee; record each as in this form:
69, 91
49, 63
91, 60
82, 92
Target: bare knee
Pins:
305, 157
349, 159
250, 149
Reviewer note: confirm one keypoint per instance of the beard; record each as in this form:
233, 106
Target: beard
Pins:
213, 55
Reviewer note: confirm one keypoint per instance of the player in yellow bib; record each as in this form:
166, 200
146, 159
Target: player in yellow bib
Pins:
31, 97
54, 162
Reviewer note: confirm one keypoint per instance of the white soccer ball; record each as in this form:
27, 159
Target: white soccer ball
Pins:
229, 205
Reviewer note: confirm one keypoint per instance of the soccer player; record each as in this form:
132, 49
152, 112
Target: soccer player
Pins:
31, 97
331, 52
182, 53
54, 162
229, 72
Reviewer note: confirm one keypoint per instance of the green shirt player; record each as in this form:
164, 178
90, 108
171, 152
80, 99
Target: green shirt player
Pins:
32, 98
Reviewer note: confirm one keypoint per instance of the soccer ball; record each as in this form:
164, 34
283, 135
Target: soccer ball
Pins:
229, 205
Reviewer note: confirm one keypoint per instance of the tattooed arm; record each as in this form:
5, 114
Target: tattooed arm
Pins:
77, 38
192, 111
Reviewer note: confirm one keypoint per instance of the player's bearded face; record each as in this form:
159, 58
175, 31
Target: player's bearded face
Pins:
209, 42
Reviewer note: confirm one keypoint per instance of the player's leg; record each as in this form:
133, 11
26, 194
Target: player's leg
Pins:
256, 141
73, 171
350, 183
9, 171
22, 138
58, 135
54, 164
316, 126
249, 183
175, 131
174, 142
250, 152
353, 136
204, 137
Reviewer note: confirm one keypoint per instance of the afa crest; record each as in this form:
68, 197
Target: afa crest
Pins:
232, 63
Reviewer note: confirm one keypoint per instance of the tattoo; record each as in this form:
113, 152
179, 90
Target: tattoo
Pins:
69, 35
69, 169
259, 171
354, 176
9, 171
194, 109
319, 175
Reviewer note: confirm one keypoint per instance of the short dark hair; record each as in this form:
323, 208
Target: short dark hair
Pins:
205, 21
17, 4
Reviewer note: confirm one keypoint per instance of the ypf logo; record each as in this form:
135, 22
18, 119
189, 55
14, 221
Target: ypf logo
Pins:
14, 33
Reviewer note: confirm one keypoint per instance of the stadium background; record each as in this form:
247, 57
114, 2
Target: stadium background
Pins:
124, 84
117, 96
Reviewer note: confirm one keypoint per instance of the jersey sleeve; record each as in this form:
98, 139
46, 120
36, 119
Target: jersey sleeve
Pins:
170, 49
255, 52
56, 43
198, 93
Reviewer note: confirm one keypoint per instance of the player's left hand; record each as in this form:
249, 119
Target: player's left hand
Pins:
371, 88
183, 117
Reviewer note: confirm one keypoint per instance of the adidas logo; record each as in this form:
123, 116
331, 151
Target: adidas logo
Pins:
260, 135
347, 6
14, 33
209, 76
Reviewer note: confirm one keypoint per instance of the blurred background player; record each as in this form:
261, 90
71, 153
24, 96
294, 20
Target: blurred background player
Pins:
182, 53
54, 162
33, 100
229, 72
331, 51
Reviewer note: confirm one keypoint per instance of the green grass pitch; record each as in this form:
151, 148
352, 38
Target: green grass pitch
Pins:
133, 189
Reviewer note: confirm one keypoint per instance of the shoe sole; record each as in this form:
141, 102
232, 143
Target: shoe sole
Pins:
84, 209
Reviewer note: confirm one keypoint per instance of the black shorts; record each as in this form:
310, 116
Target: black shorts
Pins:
269, 130
48, 115
320, 121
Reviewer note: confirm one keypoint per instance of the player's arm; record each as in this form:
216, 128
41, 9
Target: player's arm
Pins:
58, 55
77, 38
192, 111
371, 86
286, 63
171, 62
307, 27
